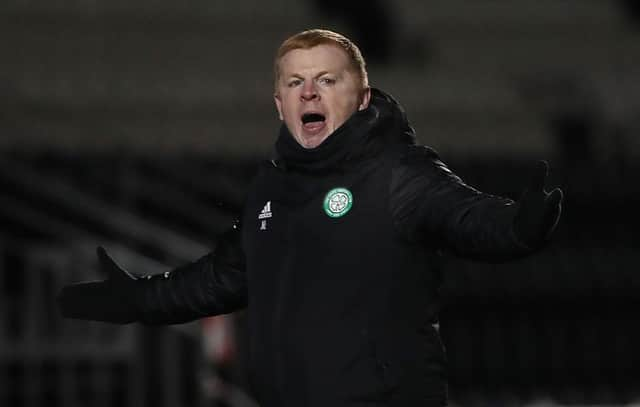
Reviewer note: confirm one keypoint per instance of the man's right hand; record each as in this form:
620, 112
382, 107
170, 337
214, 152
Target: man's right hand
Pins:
110, 300
214, 284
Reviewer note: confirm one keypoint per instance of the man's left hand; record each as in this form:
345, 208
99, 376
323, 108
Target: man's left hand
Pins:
538, 210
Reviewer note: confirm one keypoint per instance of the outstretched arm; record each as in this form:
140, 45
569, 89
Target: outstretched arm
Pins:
430, 203
214, 284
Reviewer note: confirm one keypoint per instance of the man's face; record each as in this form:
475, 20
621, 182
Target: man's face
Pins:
317, 92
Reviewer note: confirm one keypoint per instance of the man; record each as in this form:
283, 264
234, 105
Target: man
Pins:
332, 259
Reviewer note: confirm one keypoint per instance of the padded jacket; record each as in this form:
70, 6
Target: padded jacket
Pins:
334, 263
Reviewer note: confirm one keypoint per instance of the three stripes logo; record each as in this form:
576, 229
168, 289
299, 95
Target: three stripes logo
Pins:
265, 214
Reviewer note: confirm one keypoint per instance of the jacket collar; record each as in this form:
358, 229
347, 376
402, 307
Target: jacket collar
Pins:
362, 136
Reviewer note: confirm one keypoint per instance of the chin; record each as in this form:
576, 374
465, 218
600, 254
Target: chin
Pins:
311, 142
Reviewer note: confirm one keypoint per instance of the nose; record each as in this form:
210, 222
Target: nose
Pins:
309, 91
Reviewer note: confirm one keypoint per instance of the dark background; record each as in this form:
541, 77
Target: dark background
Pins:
136, 125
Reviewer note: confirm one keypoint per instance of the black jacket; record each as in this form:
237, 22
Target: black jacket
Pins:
333, 261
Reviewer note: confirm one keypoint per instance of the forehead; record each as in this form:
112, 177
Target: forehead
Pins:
322, 57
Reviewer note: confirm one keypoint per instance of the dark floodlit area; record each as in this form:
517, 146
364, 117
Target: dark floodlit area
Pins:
138, 126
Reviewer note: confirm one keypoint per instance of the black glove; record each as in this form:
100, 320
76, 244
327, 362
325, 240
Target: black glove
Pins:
538, 210
110, 300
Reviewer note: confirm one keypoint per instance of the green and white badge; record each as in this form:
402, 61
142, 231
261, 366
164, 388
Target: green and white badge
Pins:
338, 202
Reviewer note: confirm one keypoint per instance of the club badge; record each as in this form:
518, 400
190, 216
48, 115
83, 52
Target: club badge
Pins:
338, 202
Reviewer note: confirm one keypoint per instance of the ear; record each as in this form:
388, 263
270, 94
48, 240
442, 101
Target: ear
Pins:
276, 98
366, 98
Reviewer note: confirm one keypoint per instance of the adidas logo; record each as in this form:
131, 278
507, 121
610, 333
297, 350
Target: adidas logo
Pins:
265, 213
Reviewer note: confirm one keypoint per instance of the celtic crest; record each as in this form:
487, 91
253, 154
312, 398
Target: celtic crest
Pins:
337, 202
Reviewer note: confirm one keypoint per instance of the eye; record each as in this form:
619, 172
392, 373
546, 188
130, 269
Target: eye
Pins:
294, 82
327, 81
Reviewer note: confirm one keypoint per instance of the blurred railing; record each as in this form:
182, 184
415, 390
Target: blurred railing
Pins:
46, 360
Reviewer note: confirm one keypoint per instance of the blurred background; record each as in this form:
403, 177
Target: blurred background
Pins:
137, 124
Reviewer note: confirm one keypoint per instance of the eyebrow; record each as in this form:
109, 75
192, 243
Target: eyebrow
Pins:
319, 74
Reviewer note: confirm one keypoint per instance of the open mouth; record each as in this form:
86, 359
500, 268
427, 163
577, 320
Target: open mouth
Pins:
308, 118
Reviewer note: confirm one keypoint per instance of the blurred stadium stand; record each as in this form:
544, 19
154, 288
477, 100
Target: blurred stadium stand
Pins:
136, 125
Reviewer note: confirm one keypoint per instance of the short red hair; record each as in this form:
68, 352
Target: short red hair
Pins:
311, 38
